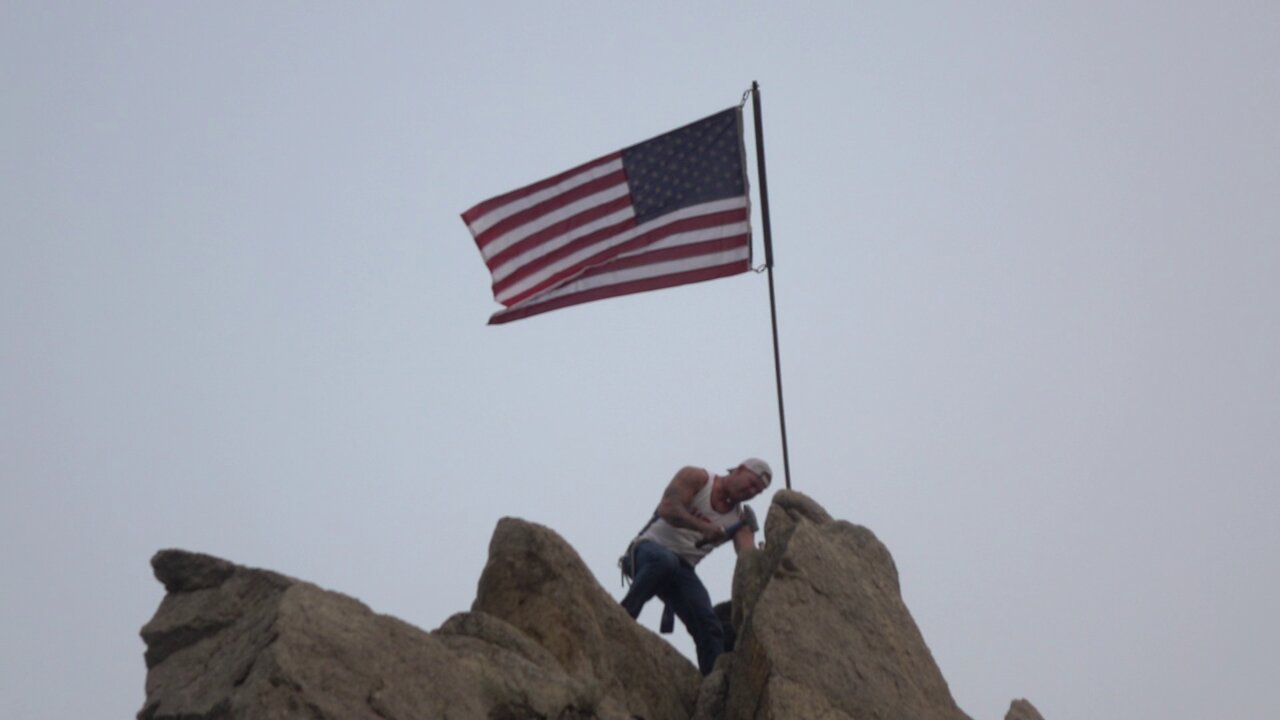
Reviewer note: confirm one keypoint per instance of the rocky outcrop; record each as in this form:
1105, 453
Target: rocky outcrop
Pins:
536, 582
543, 640
823, 631
1022, 710
233, 642
821, 626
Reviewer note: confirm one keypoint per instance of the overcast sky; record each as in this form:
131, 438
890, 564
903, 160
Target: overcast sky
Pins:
1027, 264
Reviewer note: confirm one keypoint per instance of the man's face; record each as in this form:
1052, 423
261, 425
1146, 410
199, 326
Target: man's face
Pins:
744, 484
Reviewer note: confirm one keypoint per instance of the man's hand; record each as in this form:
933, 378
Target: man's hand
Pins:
712, 535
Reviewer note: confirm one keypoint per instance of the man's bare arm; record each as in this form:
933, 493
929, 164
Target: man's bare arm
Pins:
674, 507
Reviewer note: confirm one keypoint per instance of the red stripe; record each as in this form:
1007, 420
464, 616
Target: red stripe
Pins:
700, 222
627, 288
483, 208
704, 247
537, 264
678, 252
564, 227
551, 205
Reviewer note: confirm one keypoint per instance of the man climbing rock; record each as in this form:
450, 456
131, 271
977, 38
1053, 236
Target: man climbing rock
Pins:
698, 512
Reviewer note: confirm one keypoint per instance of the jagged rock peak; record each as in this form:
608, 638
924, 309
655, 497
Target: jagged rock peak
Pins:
181, 571
1022, 709
535, 581
823, 630
230, 641
822, 633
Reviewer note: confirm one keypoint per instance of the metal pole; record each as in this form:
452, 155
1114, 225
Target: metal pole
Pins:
768, 262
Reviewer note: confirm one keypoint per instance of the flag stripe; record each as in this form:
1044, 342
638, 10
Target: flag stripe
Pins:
584, 263
530, 254
549, 269
565, 262
696, 241
604, 188
520, 261
565, 214
586, 222
687, 245
684, 245
659, 277
485, 214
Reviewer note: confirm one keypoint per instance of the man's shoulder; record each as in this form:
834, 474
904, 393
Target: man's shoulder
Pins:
692, 477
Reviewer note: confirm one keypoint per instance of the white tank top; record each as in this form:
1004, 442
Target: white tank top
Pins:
684, 542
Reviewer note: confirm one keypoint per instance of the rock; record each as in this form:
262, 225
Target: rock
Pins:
1022, 710
258, 645
536, 582
713, 693
724, 614
823, 631
181, 571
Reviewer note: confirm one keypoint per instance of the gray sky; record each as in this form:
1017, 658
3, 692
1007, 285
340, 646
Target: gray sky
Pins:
1027, 261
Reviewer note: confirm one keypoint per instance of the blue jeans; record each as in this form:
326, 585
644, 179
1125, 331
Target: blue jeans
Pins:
658, 571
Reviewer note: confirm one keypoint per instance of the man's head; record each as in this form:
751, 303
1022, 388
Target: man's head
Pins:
749, 479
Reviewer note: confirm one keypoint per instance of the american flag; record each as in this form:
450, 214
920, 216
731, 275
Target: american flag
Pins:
669, 211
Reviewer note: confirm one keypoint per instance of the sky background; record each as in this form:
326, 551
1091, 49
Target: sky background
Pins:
1027, 264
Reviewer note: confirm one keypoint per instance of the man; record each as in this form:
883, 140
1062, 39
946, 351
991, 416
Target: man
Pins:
696, 510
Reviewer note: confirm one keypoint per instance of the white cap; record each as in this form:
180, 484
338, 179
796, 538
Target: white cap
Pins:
759, 467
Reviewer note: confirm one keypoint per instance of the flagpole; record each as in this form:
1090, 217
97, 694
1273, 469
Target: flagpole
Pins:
768, 263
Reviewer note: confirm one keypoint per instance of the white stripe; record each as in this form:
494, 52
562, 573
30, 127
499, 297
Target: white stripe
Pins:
533, 253
688, 238
685, 238
569, 261
643, 272
502, 212
520, 232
